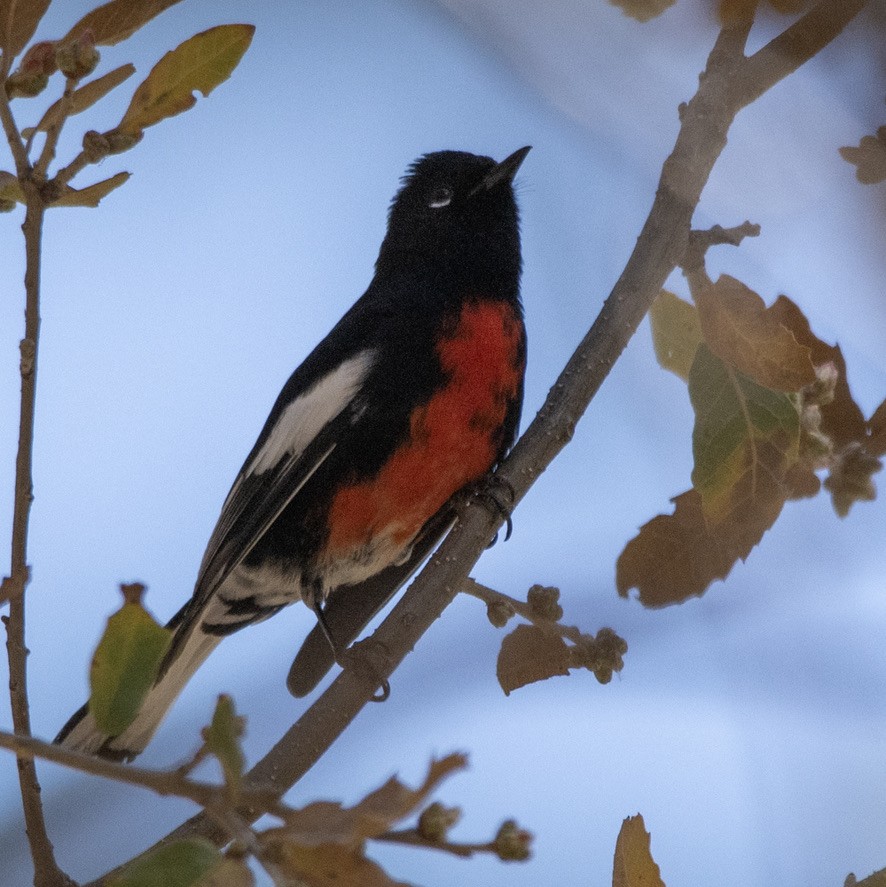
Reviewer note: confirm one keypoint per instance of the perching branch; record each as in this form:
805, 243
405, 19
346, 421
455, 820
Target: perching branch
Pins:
729, 82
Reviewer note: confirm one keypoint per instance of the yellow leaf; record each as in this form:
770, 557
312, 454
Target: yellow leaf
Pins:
222, 738
676, 333
200, 63
117, 20
11, 187
181, 864
529, 654
126, 663
740, 329
92, 195
83, 98
633, 865
18, 21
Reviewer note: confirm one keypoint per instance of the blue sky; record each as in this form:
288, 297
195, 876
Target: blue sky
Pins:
747, 725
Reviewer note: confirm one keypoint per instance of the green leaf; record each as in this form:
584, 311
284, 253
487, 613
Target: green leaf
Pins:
83, 98
18, 21
126, 663
182, 864
11, 187
745, 436
222, 738
92, 195
676, 332
201, 63
117, 20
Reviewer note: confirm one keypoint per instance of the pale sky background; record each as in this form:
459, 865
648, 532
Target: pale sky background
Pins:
747, 725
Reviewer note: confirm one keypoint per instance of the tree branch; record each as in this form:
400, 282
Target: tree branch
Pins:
162, 782
46, 871
794, 46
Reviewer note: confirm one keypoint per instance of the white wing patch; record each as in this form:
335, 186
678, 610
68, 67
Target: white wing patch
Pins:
307, 415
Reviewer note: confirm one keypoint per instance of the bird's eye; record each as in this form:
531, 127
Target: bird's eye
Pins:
440, 198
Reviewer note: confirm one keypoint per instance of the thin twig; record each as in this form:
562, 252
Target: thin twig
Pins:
10, 128
46, 871
47, 155
413, 838
169, 783
521, 608
705, 121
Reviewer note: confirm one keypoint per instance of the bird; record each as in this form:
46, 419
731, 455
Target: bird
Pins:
410, 400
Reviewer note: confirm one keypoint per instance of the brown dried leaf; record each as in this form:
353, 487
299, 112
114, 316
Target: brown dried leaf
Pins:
92, 195
531, 653
18, 21
876, 444
869, 158
842, 419
117, 20
851, 478
677, 556
676, 332
743, 332
83, 98
200, 63
329, 865
643, 10
633, 865
326, 822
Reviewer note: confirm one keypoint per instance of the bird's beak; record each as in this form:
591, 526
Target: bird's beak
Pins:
502, 172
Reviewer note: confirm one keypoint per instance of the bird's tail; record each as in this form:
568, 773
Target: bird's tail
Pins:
190, 647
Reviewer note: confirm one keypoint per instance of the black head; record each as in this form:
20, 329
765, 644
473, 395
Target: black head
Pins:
456, 214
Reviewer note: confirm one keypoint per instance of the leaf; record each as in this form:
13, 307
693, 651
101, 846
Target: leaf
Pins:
842, 419
82, 98
18, 22
643, 10
877, 879
741, 331
876, 445
677, 556
11, 187
529, 654
633, 865
125, 663
321, 845
222, 738
117, 20
745, 437
182, 864
851, 478
676, 332
200, 63
329, 865
230, 872
869, 158
326, 822
92, 195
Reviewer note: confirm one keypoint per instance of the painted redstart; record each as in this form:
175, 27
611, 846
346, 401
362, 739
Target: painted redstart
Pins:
413, 396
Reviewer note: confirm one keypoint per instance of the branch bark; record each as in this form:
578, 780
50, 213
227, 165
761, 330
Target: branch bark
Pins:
729, 82
46, 871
